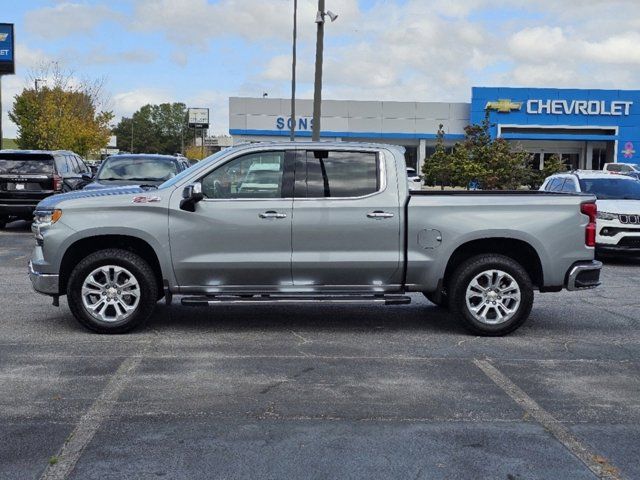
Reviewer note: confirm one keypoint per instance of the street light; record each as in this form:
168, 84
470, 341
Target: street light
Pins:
317, 87
36, 80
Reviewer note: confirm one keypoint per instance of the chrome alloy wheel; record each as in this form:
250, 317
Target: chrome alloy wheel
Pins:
110, 293
493, 297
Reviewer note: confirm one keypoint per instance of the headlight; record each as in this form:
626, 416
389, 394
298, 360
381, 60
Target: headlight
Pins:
43, 217
607, 216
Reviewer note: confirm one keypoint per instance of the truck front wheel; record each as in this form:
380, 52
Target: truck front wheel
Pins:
492, 294
112, 291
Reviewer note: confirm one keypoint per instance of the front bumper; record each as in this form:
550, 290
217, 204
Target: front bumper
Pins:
45, 283
584, 275
18, 210
613, 249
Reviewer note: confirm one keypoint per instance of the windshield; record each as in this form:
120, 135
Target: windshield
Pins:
137, 168
26, 164
194, 168
611, 188
621, 167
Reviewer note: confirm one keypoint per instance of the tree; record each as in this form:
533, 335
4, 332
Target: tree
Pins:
551, 166
64, 114
193, 152
437, 168
156, 129
493, 163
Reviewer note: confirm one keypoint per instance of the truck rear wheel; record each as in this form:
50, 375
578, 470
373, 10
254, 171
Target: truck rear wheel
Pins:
112, 291
491, 294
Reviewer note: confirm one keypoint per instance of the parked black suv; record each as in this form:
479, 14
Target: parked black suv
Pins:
28, 176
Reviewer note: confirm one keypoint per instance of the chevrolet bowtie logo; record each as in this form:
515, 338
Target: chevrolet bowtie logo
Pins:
503, 105
3, 36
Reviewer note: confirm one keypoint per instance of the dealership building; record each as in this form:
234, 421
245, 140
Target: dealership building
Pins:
587, 128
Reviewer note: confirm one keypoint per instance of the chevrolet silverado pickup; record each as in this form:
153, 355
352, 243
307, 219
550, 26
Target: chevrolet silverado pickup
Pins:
309, 222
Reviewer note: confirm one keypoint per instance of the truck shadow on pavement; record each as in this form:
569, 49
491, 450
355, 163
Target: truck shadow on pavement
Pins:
422, 317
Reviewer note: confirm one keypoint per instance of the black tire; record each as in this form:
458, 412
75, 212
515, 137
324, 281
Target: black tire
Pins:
441, 300
3, 223
461, 280
139, 268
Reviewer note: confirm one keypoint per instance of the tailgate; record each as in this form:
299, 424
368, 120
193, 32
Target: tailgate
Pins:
26, 174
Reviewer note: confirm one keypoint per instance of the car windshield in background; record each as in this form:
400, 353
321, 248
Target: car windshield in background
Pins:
611, 189
26, 164
148, 169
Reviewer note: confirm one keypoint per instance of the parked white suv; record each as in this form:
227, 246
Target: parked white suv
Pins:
618, 202
414, 180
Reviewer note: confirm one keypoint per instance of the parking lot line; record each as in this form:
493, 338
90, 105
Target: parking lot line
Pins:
599, 465
90, 422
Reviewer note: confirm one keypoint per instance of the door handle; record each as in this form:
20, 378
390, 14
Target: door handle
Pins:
379, 215
272, 214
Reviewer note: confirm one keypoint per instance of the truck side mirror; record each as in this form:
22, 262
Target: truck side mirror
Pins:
191, 195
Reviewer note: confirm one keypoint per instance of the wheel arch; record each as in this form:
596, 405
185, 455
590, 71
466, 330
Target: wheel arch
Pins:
518, 250
88, 245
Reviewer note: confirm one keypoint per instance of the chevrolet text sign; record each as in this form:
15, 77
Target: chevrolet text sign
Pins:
6, 49
578, 107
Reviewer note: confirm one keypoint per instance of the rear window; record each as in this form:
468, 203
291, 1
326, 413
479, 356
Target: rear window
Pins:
25, 164
340, 174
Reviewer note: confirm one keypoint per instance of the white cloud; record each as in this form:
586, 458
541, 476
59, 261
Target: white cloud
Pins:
538, 44
67, 18
126, 103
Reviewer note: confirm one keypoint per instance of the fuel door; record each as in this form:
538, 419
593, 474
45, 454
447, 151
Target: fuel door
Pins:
429, 238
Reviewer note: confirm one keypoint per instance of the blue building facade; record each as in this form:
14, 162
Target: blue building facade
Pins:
587, 128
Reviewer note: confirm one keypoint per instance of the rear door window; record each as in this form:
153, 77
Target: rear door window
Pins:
75, 164
556, 185
62, 165
83, 166
25, 164
335, 174
569, 186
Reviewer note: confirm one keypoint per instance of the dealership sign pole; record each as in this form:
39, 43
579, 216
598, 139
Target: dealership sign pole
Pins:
199, 118
7, 63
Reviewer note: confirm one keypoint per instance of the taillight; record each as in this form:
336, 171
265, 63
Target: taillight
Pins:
57, 182
591, 211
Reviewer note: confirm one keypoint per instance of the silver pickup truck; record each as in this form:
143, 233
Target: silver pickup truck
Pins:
309, 222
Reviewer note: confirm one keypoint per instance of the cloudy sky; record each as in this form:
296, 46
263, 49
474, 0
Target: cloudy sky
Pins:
201, 52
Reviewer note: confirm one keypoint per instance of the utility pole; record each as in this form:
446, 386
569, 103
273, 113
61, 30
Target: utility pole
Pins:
131, 133
317, 86
293, 72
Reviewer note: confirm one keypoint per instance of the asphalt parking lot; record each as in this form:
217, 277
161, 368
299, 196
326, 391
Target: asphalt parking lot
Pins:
320, 392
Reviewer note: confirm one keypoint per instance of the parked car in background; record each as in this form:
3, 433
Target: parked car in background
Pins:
310, 222
28, 176
415, 180
137, 169
620, 167
618, 201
